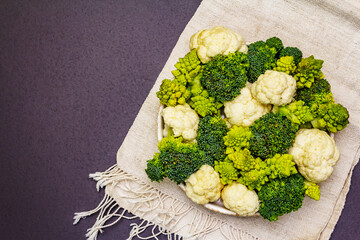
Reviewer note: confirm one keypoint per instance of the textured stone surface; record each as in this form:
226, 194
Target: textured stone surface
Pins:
73, 76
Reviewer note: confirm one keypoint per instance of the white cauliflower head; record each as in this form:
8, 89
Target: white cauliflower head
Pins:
274, 87
244, 110
315, 154
183, 120
217, 40
239, 199
204, 185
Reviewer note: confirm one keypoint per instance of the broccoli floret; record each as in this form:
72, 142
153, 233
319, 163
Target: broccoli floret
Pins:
237, 138
281, 196
172, 93
210, 137
307, 71
272, 134
292, 51
297, 112
261, 58
276, 43
281, 166
187, 68
285, 64
318, 93
331, 117
155, 169
228, 173
176, 160
225, 75
312, 190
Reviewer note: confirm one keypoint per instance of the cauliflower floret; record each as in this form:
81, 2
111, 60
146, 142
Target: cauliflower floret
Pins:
217, 40
204, 185
315, 154
244, 110
239, 199
274, 87
183, 120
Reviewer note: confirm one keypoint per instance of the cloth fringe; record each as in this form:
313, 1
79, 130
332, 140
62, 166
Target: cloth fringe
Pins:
145, 199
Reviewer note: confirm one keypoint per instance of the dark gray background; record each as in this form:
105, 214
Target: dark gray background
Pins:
73, 77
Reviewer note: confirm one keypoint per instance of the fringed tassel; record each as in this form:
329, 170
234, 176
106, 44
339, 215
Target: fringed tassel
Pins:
160, 209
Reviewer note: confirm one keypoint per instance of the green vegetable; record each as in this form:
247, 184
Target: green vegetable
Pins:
280, 196
237, 138
176, 160
312, 190
307, 71
281, 166
261, 58
272, 134
297, 112
228, 173
172, 93
285, 64
201, 101
225, 75
255, 178
292, 51
318, 93
244, 161
331, 117
210, 137
276, 43
187, 68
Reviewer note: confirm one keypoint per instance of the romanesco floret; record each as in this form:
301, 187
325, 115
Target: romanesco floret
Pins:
285, 64
205, 105
331, 117
228, 173
210, 137
281, 196
312, 190
297, 112
281, 166
237, 138
307, 71
272, 134
225, 75
172, 93
244, 161
188, 67
255, 178
292, 51
261, 58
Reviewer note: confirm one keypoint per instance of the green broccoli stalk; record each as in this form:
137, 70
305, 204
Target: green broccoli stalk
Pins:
281, 196
312, 190
285, 64
172, 93
176, 160
272, 134
331, 117
228, 173
210, 137
225, 75
276, 43
187, 68
237, 138
307, 71
281, 166
297, 112
292, 51
261, 58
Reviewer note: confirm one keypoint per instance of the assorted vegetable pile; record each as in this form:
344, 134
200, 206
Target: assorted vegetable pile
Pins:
247, 124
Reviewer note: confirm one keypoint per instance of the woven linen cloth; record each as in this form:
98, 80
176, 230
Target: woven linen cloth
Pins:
330, 31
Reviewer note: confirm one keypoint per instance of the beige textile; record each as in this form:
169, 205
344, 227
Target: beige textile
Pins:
329, 30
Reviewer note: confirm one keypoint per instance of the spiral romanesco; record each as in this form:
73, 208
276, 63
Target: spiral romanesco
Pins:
172, 93
331, 117
297, 112
228, 173
285, 64
312, 190
188, 67
281, 166
237, 138
308, 70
